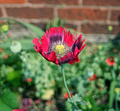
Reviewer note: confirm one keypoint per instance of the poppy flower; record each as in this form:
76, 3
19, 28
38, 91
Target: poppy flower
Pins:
59, 46
92, 77
5, 56
110, 61
28, 80
66, 96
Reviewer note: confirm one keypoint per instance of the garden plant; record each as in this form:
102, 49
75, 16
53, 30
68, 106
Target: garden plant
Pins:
66, 74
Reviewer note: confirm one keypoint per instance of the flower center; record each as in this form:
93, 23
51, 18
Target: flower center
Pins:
60, 49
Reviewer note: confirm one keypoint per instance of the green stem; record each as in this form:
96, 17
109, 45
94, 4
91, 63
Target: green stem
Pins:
62, 70
113, 74
74, 105
109, 34
8, 37
116, 103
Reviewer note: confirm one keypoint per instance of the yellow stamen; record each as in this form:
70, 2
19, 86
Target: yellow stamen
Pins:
60, 49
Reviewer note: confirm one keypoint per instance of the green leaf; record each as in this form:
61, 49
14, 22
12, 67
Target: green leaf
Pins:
111, 93
38, 31
78, 99
9, 100
4, 107
77, 110
26, 44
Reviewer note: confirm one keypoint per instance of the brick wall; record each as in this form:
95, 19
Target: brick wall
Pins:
86, 16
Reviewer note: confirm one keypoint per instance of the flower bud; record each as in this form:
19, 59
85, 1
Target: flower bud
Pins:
15, 47
5, 28
110, 28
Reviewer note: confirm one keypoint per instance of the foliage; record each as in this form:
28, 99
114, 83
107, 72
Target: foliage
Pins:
8, 101
29, 75
56, 22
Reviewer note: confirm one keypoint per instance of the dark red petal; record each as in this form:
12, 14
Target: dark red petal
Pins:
69, 39
52, 57
109, 62
53, 30
90, 79
55, 34
37, 44
78, 46
76, 52
82, 47
66, 58
44, 43
47, 33
94, 76
66, 96
19, 110
60, 30
75, 59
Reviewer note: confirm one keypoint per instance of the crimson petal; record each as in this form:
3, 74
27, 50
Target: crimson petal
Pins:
37, 44
44, 43
69, 39
52, 57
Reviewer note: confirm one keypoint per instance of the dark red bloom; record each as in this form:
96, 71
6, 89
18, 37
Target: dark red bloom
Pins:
92, 77
27, 102
59, 46
66, 96
5, 56
28, 80
110, 61
19, 110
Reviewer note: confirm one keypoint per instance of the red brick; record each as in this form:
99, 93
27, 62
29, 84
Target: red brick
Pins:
71, 2
83, 14
115, 15
27, 12
116, 29
71, 26
102, 2
98, 29
12, 1
0, 12
94, 28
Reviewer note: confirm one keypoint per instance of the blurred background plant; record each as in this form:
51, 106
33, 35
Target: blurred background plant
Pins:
32, 83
